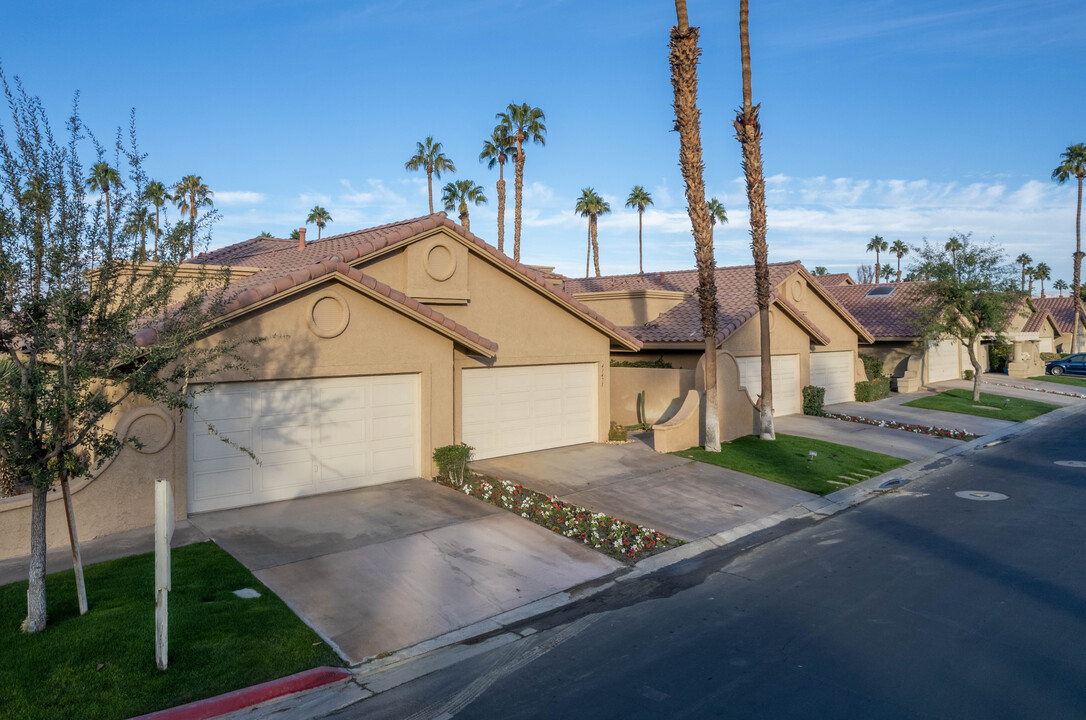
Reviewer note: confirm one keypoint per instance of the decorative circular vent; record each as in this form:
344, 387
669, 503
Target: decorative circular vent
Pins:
440, 261
329, 315
797, 289
151, 426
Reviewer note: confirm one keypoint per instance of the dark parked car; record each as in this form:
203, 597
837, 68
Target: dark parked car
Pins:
1072, 365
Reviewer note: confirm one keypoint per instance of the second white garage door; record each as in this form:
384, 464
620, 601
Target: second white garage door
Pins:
833, 371
785, 368
943, 360
520, 409
311, 436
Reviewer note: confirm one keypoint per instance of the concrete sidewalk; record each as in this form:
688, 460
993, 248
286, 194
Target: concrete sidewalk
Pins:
907, 445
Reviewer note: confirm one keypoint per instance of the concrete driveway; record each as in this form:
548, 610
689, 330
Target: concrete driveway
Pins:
680, 497
383, 568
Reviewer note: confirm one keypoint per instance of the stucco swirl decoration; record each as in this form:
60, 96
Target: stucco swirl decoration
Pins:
328, 315
440, 261
151, 426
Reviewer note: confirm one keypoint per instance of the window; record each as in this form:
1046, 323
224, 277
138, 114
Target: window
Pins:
880, 291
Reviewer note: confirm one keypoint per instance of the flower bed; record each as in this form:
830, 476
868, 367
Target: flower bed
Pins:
1037, 389
908, 427
617, 538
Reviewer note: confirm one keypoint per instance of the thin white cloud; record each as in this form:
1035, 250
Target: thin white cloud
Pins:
238, 197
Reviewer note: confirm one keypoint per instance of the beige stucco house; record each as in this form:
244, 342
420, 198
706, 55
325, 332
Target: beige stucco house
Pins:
1068, 322
382, 345
814, 341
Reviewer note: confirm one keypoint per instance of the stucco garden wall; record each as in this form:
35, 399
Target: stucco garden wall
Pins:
665, 391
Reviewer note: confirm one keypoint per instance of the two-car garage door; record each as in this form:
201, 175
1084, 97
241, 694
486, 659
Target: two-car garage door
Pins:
310, 436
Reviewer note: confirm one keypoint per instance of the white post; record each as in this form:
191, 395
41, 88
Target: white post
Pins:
163, 535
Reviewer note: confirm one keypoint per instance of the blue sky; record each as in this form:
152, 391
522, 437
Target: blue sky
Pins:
906, 119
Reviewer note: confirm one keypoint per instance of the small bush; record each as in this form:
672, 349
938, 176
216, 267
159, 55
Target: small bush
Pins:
813, 399
870, 390
617, 433
1050, 356
998, 355
872, 366
452, 461
657, 363
967, 374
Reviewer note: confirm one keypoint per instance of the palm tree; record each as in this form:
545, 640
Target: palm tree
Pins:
591, 205
901, 250
878, 245
953, 245
820, 270
189, 194
1074, 165
887, 273
521, 122
264, 234
319, 217
458, 194
1024, 260
1060, 285
639, 198
683, 56
156, 194
430, 157
140, 223
102, 179
1042, 272
496, 150
717, 213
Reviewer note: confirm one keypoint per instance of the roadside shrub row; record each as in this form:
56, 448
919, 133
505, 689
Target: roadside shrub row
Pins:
870, 390
908, 427
657, 363
1050, 356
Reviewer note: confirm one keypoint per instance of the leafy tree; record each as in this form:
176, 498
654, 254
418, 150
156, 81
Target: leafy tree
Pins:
103, 178
190, 193
458, 194
1060, 285
1073, 165
156, 194
683, 56
430, 156
318, 216
820, 270
140, 223
748, 131
971, 294
71, 337
865, 274
38, 199
521, 122
1024, 260
591, 206
899, 249
878, 245
496, 151
639, 198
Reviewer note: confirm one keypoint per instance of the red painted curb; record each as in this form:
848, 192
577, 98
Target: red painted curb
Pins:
247, 697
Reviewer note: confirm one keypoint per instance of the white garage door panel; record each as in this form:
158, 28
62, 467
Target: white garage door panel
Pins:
310, 436
833, 371
943, 360
520, 409
785, 373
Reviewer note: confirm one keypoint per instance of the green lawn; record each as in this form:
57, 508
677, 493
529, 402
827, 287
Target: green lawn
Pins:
1062, 380
786, 460
218, 641
998, 407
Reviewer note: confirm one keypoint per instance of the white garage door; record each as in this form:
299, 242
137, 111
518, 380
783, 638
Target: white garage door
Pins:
519, 409
785, 369
310, 436
943, 360
833, 371
1046, 344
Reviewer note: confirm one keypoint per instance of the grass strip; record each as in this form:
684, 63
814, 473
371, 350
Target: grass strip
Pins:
997, 407
1061, 380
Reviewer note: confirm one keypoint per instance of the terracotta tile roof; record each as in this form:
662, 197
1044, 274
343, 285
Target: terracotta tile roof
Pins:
238, 253
735, 294
832, 279
281, 264
1037, 320
1062, 309
888, 316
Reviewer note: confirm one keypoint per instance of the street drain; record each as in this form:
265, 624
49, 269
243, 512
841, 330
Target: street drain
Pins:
893, 483
1071, 463
982, 495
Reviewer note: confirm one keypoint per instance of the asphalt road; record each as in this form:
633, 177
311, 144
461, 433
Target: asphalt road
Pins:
918, 604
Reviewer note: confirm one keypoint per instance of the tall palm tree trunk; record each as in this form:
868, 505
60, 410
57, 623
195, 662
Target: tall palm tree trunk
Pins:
588, 252
518, 190
501, 211
899, 268
192, 225
35, 595
595, 244
1078, 265
465, 220
640, 253
155, 256
749, 133
430, 186
684, 53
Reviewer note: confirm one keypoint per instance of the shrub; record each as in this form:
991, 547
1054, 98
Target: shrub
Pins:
452, 461
813, 399
998, 355
872, 366
617, 433
967, 374
657, 363
876, 389
1050, 356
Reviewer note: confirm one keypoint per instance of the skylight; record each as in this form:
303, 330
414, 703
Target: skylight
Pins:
880, 291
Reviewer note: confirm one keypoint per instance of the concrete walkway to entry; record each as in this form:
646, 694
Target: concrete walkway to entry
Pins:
382, 568
679, 497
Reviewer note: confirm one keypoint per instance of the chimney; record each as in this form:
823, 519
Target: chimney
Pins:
301, 238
